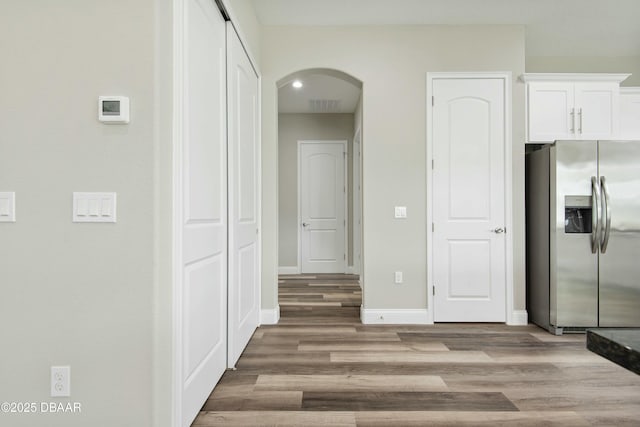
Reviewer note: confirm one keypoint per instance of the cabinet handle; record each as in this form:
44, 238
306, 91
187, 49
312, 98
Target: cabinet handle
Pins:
572, 114
580, 120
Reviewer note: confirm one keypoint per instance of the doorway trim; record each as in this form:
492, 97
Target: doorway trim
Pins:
344, 143
512, 317
356, 247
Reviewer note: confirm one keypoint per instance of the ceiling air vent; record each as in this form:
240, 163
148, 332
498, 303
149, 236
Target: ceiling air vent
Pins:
324, 105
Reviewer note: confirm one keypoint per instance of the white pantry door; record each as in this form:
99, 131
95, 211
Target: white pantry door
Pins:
322, 206
202, 205
469, 245
244, 194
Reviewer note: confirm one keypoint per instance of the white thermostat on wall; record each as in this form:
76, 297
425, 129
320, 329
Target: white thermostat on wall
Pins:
113, 109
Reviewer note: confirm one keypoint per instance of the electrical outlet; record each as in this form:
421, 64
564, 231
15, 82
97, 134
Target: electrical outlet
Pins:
60, 381
398, 276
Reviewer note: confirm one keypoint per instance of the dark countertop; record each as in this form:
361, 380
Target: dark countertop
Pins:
621, 346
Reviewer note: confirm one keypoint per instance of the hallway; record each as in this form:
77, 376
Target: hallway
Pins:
321, 366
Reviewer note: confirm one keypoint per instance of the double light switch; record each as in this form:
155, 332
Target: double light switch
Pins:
400, 212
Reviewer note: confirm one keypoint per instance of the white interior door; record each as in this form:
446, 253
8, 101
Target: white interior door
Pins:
244, 206
469, 256
322, 194
202, 209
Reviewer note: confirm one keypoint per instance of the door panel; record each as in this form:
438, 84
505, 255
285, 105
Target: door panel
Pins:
201, 326
469, 200
619, 266
574, 269
630, 113
469, 163
597, 106
204, 208
469, 258
550, 111
322, 207
244, 282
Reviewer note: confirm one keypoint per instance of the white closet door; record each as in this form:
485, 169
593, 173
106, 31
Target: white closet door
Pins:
203, 208
244, 157
469, 250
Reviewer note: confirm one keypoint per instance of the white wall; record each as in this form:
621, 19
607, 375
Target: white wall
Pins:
95, 296
291, 129
77, 294
392, 63
588, 64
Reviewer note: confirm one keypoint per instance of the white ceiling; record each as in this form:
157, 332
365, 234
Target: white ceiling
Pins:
552, 27
322, 92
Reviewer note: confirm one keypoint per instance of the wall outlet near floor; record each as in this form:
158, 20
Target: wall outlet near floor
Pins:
60, 381
398, 277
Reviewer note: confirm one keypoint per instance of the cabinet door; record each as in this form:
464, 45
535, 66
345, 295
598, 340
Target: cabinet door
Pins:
550, 111
597, 110
630, 114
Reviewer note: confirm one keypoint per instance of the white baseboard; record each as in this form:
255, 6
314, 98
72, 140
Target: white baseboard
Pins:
270, 316
289, 270
519, 318
394, 317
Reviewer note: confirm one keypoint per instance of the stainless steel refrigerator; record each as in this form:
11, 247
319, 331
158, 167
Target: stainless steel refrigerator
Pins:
583, 235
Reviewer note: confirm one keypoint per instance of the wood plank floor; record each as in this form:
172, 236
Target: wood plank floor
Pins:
321, 367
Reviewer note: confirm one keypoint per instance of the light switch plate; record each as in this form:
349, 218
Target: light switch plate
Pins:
8, 207
94, 207
400, 211
398, 277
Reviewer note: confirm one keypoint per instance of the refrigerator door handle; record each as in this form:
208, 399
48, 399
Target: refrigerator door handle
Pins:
606, 215
595, 214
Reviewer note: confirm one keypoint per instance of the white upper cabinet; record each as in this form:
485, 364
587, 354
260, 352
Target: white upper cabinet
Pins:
630, 113
572, 106
551, 111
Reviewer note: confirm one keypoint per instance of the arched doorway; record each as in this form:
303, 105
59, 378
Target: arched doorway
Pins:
319, 195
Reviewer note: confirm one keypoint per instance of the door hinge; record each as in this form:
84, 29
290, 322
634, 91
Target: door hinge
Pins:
433, 164
433, 101
345, 256
433, 227
434, 289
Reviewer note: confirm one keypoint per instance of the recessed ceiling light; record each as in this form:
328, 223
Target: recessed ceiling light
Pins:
296, 84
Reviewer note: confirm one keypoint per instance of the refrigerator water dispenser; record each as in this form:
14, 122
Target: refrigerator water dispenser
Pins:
577, 214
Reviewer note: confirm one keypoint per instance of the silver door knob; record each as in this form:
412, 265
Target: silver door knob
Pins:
304, 224
498, 230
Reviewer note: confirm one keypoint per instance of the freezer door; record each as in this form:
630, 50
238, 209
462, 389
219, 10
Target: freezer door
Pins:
573, 264
620, 241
